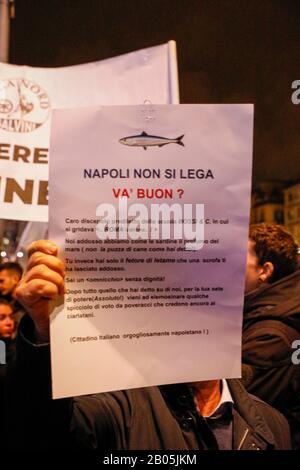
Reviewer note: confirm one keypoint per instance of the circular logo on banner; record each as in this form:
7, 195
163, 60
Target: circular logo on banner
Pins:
24, 105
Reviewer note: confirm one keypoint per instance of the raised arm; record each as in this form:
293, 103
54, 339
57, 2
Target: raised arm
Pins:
43, 281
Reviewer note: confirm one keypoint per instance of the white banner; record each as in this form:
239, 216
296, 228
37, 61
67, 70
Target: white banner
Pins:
152, 220
28, 95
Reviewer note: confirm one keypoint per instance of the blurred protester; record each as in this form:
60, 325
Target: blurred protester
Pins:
10, 275
7, 353
7, 323
272, 321
7, 327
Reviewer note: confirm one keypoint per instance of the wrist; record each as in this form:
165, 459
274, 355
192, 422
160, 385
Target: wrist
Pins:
42, 334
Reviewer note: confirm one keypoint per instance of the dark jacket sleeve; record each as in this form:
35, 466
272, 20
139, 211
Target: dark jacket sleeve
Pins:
268, 371
277, 423
32, 419
267, 368
35, 421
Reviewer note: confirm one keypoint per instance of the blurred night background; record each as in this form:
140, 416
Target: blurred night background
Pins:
229, 51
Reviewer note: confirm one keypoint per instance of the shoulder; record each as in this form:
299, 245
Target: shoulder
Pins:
118, 406
275, 421
105, 419
125, 400
269, 338
265, 420
270, 414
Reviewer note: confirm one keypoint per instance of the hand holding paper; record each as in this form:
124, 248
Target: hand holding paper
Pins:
43, 281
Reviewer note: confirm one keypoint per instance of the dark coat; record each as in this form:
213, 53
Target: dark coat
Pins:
10, 355
160, 418
271, 325
10, 346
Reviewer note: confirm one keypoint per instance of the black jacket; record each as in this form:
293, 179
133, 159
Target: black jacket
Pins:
10, 351
271, 325
10, 347
160, 418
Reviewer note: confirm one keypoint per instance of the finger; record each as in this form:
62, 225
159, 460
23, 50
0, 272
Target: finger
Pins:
30, 292
45, 246
42, 271
52, 262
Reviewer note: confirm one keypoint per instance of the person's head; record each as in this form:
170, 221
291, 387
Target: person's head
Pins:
7, 323
272, 255
10, 275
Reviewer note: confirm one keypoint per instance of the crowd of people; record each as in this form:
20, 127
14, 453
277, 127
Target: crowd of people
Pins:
260, 411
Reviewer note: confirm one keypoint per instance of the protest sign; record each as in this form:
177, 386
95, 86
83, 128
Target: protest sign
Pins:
28, 95
150, 205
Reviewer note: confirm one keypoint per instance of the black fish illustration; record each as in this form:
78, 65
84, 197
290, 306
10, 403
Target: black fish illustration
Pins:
145, 140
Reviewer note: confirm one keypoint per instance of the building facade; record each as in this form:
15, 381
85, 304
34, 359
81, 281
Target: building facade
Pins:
292, 209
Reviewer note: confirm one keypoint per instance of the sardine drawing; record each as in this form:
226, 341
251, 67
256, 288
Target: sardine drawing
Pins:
145, 140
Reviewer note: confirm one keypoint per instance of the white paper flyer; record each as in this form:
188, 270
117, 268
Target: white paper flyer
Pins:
150, 205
